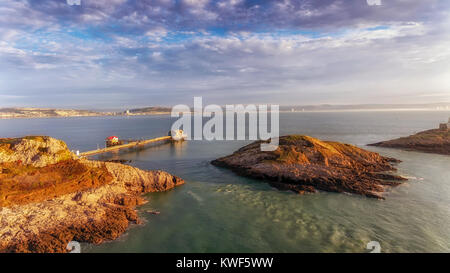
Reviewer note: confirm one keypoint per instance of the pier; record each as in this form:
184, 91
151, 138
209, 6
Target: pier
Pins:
124, 146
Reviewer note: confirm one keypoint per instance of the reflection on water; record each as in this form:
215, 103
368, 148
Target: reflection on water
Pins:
218, 211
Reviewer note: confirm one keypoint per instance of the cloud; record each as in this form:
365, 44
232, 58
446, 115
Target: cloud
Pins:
230, 51
141, 15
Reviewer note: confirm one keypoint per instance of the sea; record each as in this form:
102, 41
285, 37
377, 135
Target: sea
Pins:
219, 211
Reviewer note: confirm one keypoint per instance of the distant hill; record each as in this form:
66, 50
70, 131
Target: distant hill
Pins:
45, 112
151, 110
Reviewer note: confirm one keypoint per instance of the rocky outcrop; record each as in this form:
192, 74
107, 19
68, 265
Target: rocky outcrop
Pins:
432, 141
22, 184
305, 164
43, 208
38, 151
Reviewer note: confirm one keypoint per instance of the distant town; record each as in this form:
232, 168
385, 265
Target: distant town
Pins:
47, 112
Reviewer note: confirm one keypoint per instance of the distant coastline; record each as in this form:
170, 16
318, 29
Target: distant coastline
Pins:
443, 106
31, 112
365, 110
14, 113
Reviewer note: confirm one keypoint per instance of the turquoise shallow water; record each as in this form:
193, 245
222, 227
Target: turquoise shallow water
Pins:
217, 211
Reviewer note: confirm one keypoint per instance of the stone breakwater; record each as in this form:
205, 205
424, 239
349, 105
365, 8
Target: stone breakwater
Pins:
48, 197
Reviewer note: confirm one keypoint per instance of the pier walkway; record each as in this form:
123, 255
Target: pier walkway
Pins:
123, 146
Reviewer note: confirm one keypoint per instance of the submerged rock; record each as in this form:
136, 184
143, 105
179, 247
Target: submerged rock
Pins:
47, 203
435, 141
305, 164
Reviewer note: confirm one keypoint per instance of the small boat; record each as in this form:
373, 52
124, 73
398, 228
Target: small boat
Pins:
178, 135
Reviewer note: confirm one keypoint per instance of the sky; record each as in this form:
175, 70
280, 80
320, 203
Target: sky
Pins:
105, 54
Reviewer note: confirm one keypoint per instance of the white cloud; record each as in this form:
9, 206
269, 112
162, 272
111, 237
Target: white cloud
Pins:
370, 61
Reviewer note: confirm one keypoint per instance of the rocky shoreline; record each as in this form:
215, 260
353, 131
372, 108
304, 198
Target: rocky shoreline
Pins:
49, 197
434, 141
305, 164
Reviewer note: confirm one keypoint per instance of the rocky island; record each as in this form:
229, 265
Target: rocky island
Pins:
305, 164
435, 141
49, 197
